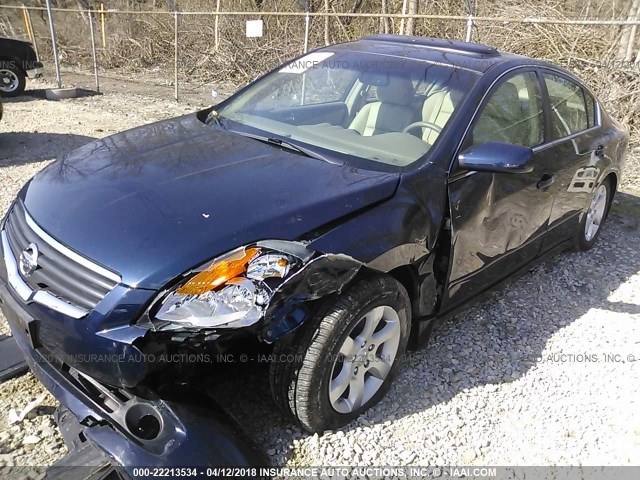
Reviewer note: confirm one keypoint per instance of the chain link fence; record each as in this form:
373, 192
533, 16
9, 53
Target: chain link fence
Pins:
178, 47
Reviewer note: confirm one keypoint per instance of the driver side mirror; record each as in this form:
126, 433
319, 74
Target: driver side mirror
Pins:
497, 157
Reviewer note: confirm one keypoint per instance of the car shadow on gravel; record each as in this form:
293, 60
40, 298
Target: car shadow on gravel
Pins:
41, 94
20, 148
27, 96
493, 342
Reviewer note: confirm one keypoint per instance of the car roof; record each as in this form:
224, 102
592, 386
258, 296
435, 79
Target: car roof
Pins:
469, 56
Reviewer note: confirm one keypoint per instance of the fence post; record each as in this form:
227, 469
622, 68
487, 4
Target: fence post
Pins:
27, 21
93, 51
306, 31
24, 19
175, 73
102, 26
469, 22
54, 44
216, 34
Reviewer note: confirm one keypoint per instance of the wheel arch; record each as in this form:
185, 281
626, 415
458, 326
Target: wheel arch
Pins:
613, 178
15, 60
408, 278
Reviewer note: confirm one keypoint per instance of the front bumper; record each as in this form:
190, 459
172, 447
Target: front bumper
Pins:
181, 435
100, 344
36, 70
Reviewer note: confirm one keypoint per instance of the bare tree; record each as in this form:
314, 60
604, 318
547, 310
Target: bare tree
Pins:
385, 19
412, 9
83, 5
627, 40
357, 4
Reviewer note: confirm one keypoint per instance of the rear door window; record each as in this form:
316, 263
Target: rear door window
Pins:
568, 106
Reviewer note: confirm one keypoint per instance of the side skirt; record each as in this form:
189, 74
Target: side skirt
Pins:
423, 327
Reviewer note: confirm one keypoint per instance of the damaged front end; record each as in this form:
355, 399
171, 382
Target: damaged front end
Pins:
241, 301
124, 428
118, 368
232, 291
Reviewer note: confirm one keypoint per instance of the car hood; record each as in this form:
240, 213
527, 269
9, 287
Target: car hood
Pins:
153, 202
12, 40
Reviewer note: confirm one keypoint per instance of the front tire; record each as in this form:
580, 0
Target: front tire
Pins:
12, 81
344, 361
593, 219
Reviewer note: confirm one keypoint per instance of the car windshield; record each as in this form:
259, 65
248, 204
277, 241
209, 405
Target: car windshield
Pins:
378, 107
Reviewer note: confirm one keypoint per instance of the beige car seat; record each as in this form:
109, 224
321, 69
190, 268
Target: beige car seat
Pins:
437, 109
391, 113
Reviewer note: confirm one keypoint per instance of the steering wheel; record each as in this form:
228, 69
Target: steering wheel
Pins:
429, 125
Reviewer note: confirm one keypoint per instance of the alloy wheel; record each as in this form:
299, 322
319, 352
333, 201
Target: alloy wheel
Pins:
365, 359
595, 214
8, 81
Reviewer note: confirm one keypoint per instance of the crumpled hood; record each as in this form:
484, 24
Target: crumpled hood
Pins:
155, 201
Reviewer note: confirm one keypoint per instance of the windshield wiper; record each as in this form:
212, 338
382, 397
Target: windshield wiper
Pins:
215, 118
279, 142
302, 150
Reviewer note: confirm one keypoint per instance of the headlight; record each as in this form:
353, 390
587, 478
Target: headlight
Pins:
232, 291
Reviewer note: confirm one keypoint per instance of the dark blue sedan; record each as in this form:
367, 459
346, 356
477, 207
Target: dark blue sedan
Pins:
329, 214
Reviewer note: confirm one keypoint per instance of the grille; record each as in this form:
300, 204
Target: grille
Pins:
61, 272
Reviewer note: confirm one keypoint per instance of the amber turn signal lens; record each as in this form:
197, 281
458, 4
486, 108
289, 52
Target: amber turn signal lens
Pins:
219, 273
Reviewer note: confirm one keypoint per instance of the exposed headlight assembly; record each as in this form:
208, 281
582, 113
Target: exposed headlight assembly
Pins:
231, 291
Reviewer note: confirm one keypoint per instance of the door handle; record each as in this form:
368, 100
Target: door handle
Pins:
600, 151
546, 181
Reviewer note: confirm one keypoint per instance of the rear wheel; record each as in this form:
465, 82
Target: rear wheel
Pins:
12, 81
344, 361
596, 214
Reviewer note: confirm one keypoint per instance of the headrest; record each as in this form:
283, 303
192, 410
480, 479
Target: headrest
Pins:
437, 99
399, 91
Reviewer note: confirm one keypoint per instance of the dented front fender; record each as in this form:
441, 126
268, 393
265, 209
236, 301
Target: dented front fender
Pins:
321, 276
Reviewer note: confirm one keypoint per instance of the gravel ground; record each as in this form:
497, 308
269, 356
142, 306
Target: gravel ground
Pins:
545, 371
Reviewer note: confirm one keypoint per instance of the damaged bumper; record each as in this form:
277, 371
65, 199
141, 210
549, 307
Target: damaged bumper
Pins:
36, 71
135, 431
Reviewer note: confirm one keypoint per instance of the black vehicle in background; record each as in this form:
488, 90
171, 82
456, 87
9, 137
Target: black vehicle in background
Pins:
18, 61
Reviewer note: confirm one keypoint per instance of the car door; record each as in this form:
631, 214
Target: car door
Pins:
498, 220
576, 144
